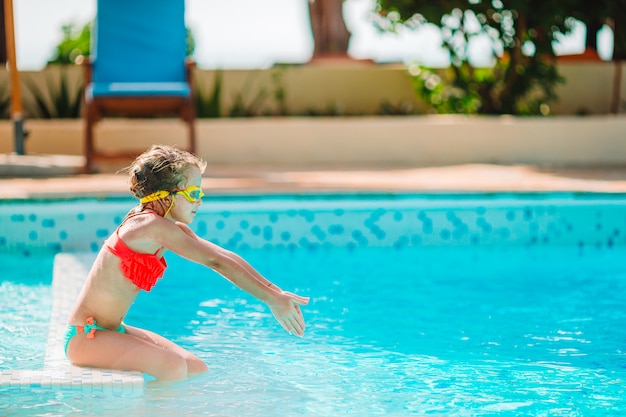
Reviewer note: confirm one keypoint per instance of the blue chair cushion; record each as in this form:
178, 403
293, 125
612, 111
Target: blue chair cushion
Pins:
139, 41
135, 89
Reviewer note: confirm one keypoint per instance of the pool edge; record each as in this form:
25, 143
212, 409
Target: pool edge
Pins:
69, 273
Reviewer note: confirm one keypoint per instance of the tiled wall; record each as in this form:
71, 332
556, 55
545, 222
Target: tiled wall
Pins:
339, 220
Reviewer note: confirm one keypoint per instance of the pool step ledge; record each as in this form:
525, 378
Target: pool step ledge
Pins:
69, 273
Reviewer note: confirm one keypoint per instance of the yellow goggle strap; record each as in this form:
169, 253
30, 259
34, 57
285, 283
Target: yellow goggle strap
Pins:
154, 197
169, 208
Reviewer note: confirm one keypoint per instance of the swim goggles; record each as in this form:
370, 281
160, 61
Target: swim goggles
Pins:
192, 194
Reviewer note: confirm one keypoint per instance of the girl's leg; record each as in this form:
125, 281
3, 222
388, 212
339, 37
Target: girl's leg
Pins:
195, 365
134, 352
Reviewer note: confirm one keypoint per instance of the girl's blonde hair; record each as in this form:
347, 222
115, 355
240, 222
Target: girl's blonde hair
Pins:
161, 168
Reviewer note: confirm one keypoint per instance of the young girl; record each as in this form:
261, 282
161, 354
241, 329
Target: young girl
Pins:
167, 183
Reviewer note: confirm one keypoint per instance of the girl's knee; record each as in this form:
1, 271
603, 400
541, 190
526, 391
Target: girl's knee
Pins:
196, 366
172, 368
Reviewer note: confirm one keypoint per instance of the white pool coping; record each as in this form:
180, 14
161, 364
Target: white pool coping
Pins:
69, 273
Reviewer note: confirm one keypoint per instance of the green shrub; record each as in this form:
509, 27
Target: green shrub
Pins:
245, 106
56, 101
208, 105
76, 43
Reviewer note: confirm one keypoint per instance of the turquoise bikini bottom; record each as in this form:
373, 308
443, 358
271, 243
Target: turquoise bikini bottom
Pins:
89, 329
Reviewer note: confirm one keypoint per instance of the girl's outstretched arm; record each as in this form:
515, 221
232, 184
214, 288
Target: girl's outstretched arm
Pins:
285, 306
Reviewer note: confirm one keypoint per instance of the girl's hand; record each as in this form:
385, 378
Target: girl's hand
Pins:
286, 309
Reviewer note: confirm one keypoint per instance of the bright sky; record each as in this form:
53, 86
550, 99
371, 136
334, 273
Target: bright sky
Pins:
269, 31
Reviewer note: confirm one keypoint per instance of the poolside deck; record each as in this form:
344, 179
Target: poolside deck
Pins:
277, 179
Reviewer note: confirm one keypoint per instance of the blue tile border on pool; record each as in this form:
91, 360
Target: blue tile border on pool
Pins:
290, 222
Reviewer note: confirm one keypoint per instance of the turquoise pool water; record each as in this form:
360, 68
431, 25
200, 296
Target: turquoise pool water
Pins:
25, 305
526, 319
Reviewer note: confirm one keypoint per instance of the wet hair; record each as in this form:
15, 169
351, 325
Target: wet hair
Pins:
160, 168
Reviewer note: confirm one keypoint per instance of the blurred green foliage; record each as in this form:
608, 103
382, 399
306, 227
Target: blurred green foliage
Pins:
523, 77
58, 100
246, 103
209, 104
76, 43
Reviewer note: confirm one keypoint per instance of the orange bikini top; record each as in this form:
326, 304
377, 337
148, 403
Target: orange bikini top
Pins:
143, 269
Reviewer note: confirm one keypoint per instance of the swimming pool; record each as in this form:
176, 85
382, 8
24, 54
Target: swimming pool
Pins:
440, 304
